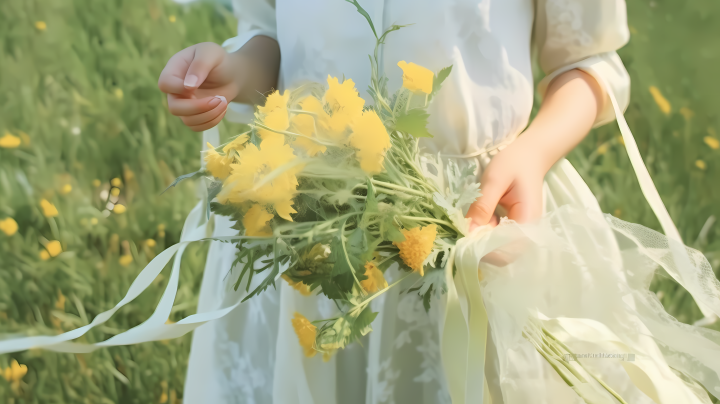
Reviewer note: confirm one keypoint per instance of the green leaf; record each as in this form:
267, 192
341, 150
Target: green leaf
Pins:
364, 14
362, 324
441, 76
414, 122
213, 190
185, 177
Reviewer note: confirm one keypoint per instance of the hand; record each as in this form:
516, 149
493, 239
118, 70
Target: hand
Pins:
513, 180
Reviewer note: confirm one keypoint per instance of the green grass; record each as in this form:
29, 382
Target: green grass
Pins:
61, 86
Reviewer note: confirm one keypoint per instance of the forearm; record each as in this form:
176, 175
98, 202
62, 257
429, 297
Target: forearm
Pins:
255, 67
569, 109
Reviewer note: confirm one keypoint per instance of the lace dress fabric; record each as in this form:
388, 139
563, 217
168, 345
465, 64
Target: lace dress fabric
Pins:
252, 355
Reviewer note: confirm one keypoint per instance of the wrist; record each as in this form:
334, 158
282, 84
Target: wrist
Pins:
535, 151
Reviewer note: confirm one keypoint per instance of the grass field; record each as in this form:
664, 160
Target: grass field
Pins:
78, 89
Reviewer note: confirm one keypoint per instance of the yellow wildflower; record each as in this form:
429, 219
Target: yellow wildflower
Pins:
256, 222
305, 125
345, 105
172, 18
161, 230
375, 280
119, 93
712, 142
417, 246
150, 243
119, 209
116, 182
115, 191
15, 372
661, 101
371, 139
236, 144
54, 248
299, 286
306, 333
417, 78
254, 166
602, 149
94, 221
276, 115
9, 141
700, 164
217, 164
96, 183
49, 210
66, 189
8, 226
125, 260
44, 255
40, 25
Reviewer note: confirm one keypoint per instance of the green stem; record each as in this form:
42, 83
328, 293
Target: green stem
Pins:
399, 188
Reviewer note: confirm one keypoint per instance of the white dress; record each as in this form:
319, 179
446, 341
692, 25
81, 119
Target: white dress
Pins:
252, 355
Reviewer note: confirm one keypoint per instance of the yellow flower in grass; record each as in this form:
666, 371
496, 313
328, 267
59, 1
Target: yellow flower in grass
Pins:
305, 125
236, 144
9, 141
125, 260
660, 100
371, 139
256, 222
15, 372
306, 333
48, 209
299, 286
216, 163
712, 142
416, 78
700, 164
66, 189
119, 209
8, 226
53, 248
254, 166
417, 246
345, 105
276, 115
40, 25
375, 280
116, 182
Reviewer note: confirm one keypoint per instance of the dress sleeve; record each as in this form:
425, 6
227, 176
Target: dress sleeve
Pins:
584, 34
255, 17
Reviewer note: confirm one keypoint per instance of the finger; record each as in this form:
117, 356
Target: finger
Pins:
172, 77
205, 117
206, 57
208, 125
181, 106
527, 208
481, 211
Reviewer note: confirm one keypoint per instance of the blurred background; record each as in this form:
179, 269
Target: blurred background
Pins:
87, 146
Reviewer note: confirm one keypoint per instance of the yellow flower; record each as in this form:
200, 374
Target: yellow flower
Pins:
119, 93
54, 248
172, 18
371, 139
116, 182
150, 243
119, 209
602, 149
44, 255
66, 189
96, 183
276, 115
417, 246
15, 372
115, 191
254, 166
345, 105
9, 141
299, 286
49, 210
661, 101
125, 260
40, 25
256, 222
94, 221
305, 125
306, 333
375, 280
712, 142
8, 226
417, 78
236, 144
700, 164
217, 164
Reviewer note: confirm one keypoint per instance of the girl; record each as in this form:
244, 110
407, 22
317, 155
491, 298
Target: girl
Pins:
480, 116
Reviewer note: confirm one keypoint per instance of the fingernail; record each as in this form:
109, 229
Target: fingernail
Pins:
191, 81
215, 101
221, 98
